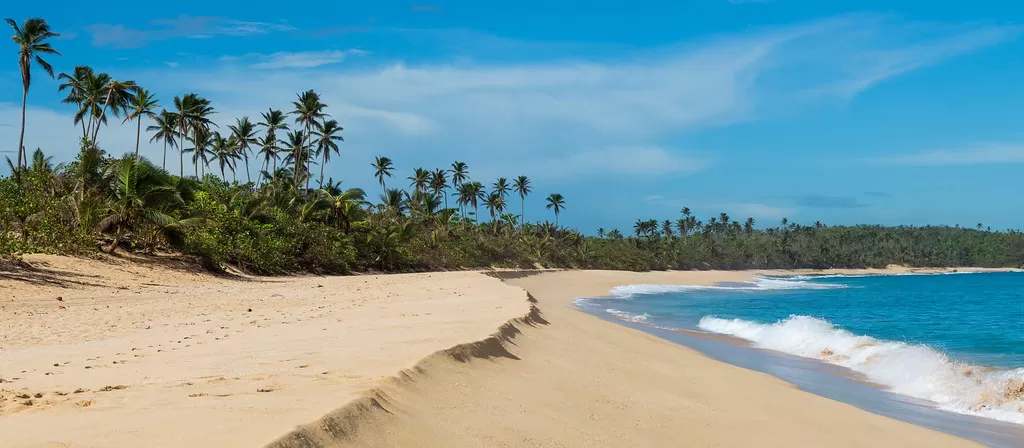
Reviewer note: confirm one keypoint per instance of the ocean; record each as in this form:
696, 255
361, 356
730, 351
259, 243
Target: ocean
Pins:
953, 342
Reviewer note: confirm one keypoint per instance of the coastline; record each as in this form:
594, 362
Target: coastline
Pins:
490, 368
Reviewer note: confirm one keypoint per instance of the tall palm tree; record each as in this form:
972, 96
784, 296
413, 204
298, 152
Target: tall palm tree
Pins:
382, 168
501, 187
296, 146
475, 193
164, 130
31, 39
244, 133
200, 150
522, 186
185, 106
273, 121
117, 96
556, 202
225, 151
439, 184
193, 117
327, 141
308, 110
141, 104
420, 179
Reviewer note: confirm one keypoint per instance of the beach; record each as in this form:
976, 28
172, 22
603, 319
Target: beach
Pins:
107, 353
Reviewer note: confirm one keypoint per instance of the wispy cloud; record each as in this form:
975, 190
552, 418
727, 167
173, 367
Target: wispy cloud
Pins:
423, 7
299, 59
644, 161
877, 194
999, 153
122, 36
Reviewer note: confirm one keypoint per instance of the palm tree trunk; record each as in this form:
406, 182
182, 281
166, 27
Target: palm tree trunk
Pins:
21, 140
322, 171
181, 154
99, 121
248, 178
522, 214
274, 174
138, 135
165, 154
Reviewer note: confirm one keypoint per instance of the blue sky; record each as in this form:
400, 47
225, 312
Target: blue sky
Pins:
895, 112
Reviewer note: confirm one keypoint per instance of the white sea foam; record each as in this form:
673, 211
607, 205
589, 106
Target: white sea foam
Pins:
914, 370
624, 315
759, 284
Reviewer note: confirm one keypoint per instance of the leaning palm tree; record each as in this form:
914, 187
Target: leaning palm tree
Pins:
420, 179
244, 133
308, 110
327, 141
522, 186
556, 202
273, 121
77, 84
140, 104
164, 130
382, 168
117, 96
31, 39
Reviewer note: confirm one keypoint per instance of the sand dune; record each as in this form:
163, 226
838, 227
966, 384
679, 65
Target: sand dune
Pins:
130, 355
452, 359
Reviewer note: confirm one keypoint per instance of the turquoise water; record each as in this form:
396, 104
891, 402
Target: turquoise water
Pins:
956, 341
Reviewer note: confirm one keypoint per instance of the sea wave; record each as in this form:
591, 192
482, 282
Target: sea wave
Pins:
758, 284
914, 370
625, 315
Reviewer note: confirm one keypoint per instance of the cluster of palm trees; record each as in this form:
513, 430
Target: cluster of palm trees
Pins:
188, 127
430, 187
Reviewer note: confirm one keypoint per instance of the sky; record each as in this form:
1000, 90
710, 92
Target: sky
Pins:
894, 112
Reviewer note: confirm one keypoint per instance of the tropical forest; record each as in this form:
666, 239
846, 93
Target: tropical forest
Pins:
252, 195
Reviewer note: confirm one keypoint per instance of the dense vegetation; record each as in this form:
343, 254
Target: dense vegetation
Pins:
288, 218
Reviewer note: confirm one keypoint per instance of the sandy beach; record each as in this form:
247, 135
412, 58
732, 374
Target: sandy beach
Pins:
111, 354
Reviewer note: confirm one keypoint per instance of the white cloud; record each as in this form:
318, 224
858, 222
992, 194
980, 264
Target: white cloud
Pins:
1000, 153
121, 36
636, 161
303, 59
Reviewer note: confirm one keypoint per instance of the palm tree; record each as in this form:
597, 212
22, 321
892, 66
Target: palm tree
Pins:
308, 110
79, 85
296, 144
193, 116
382, 167
138, 192
476, 194
225, 151
501, 187
460, 173
327, 139
164, 130
31, 39
748, 226
117, 96
495, 204
141, 104
439, 183
186, 106
244, 133
522, 186
420, 179
556, 202
273, 121
201, 141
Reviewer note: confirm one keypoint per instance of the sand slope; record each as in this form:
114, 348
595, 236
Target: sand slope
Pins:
169, 357
577, 381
